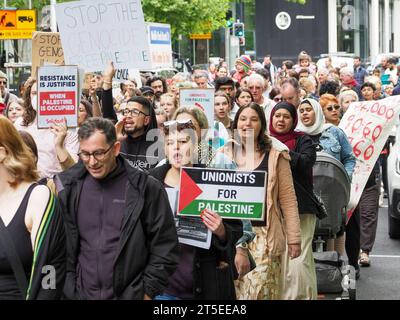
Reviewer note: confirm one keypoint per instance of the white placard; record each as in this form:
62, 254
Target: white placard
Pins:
94, 32
160, 45
367, 126
202, 98
58, 95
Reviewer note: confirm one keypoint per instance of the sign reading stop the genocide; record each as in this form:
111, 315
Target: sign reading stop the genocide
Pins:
46, 49
57, 96
232, 194
367, 126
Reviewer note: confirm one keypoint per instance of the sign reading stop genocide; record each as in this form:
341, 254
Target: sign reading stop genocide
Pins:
367, 125
57, 96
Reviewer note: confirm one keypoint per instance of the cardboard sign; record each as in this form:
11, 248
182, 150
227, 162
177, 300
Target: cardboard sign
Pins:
94, 32
58, 95
232, 194
202, 98
46, 49
367, 126
160, 45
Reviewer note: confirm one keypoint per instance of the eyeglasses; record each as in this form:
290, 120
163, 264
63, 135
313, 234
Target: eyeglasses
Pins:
99, 155
133, 112
278, 99
330, 108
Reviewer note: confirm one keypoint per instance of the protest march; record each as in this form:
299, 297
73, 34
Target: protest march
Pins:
117, 183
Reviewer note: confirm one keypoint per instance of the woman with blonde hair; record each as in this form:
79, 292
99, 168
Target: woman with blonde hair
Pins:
31, 231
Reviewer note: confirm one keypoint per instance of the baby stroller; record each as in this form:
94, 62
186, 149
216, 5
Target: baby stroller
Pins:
332, 184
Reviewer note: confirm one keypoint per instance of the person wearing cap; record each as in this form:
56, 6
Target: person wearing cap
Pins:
6, 96
148, 93
243, 67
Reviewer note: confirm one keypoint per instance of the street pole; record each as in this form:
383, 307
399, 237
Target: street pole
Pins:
53, 21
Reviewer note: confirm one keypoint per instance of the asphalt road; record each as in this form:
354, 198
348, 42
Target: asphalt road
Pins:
381, 281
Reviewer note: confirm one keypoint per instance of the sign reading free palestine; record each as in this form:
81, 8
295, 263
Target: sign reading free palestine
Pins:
232, 194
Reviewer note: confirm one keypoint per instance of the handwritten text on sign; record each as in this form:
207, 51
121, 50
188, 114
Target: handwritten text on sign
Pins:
94, 32
367, 126
57, 95
46, 49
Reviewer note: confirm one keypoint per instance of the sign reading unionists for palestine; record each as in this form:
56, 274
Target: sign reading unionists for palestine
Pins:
57, 95
232, 194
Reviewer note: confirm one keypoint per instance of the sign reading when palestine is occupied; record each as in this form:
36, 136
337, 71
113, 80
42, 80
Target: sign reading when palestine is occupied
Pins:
57, 96
232, 194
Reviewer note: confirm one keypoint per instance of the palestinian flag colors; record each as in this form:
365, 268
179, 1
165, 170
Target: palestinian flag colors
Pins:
232, 194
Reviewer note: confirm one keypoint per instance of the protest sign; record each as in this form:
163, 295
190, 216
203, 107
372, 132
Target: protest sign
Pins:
122, 75
232, 194
94, 32
160, 45
202, 98
191, 231
46, 49
58, 95
367, 125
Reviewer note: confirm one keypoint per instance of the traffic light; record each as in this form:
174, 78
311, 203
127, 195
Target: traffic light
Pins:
238, 29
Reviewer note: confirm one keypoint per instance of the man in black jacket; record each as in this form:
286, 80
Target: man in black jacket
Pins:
139, 120
121, 236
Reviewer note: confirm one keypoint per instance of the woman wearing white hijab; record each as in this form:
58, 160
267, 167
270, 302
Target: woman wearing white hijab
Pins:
330, 138
333, 141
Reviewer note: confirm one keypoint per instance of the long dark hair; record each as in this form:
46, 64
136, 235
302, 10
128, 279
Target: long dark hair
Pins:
263, 141
29, 113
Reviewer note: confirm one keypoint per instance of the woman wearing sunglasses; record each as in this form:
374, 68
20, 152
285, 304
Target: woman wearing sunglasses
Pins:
201, 273
331, 108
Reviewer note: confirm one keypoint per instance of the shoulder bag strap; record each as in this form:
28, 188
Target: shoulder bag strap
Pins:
13, 258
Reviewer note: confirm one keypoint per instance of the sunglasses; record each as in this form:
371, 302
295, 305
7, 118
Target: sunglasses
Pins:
330, 108
3, 82
278, 99
178, 125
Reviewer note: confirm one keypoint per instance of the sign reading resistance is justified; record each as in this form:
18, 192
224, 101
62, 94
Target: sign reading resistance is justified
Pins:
231, 194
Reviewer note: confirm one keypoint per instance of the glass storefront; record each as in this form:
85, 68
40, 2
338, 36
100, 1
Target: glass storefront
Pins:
352, 27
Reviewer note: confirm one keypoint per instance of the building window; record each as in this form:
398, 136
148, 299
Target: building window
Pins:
352, 27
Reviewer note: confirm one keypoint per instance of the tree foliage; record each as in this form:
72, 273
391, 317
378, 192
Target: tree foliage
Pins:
186, 17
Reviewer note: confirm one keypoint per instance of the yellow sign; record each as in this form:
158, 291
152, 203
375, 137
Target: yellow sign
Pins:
17, 24
201, 36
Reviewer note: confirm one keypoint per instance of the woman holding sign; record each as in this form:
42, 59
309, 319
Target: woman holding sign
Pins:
254, 150
201, 273
48, 163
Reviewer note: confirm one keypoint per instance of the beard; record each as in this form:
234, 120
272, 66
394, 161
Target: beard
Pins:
158, 95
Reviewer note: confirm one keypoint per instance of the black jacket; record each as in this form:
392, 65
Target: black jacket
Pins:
135, 149
303, 158
148, 252
213, 269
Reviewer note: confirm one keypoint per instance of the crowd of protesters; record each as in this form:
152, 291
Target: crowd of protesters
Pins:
92, 202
